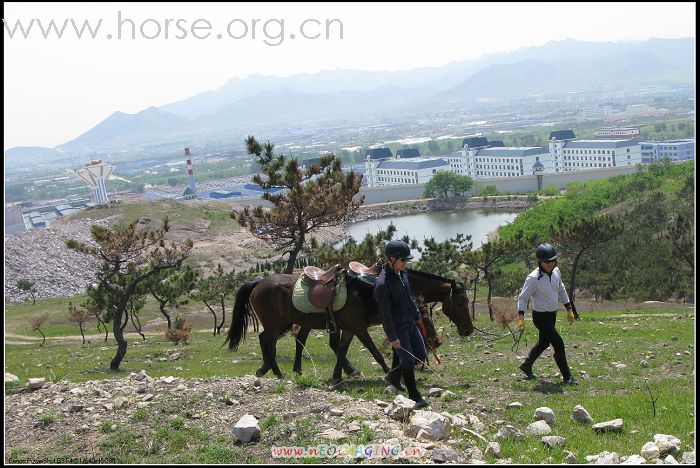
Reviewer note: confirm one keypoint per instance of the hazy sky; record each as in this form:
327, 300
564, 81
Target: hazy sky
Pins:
58, 88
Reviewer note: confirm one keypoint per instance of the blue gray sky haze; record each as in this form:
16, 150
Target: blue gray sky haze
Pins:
131, 56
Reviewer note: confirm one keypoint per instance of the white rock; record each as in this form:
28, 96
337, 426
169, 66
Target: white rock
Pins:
515, 405
650, 451
436, 426
10, 377
400, 408
35, 383
509, 432
545, 414
667, 444
247, 429
688, 458
553, 441
609, 426
493, 448
538, 428
581, 415
669, 460
634, 460
332, 434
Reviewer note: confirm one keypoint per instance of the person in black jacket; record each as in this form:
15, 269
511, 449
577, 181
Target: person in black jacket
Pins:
400, 315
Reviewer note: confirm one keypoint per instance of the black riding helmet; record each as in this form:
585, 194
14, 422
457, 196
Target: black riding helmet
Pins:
398, 249
546, 253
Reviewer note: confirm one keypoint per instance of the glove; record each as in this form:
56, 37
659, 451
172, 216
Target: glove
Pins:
521, 322
570, 316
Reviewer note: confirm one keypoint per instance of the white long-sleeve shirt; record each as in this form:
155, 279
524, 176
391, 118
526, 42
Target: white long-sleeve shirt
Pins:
545, 291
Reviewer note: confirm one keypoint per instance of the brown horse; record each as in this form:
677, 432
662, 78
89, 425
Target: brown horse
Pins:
431, 288
270, 300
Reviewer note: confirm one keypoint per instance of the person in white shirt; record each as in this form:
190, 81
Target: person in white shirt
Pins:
546, 288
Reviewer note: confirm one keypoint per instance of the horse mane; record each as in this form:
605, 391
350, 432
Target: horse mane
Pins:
425, 274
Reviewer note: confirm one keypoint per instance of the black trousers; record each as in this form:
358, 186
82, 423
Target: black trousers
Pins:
412, 346
545, 321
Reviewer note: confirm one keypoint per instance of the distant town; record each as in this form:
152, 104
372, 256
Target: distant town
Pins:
487, 161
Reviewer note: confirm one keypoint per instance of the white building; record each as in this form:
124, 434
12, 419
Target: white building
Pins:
487, 162
675, 150
483, 159
628, 133
589, 154
393, 171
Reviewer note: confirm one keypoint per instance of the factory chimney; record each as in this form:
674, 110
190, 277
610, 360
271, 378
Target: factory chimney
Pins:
190, 171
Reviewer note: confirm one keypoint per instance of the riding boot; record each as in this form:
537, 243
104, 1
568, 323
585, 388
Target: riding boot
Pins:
526, 367
560, 359
393, 377
409, 377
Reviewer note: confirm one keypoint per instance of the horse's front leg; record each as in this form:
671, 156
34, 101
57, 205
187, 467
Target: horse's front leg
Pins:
300, 344
363, 336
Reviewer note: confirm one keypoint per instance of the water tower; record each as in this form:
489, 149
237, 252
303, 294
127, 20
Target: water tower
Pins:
95, 173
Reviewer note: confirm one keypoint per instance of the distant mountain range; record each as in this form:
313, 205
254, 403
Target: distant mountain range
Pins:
258, 101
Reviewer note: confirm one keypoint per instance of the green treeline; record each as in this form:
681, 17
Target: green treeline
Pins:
651, 258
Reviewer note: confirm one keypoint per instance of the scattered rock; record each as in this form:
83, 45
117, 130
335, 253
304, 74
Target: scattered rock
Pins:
509, 432
545, 414
667, 444
553, 441
493, 448
247, 429
609, 426
442, 455
581, 415
634, 460
538, 428
35, 383
434, 425
650, 451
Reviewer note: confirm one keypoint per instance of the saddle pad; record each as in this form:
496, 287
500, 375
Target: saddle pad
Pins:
300, 297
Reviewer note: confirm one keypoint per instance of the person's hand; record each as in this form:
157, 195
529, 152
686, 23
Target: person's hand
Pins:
395, 344
521, 323
570, 316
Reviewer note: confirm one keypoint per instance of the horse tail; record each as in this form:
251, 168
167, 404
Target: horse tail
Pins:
242, 315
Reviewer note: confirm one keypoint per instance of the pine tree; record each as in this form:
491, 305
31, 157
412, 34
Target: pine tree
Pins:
129, 257
318, 196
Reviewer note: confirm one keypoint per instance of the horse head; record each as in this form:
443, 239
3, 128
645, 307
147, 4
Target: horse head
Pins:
456, 307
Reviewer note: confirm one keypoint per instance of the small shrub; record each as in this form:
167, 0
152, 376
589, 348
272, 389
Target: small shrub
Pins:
269, 422
177, 423
180, 332
47, 419
106, 426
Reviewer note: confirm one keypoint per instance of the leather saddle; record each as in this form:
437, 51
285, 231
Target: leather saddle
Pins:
322, 284
365, 273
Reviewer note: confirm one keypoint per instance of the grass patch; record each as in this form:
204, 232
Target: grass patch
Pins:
619, 350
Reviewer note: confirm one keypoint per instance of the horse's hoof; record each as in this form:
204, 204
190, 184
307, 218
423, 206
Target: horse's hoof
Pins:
281, 376
260, 372
297, 372
357, 374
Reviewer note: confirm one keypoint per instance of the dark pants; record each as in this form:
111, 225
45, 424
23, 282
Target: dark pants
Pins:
411, 342
544, 321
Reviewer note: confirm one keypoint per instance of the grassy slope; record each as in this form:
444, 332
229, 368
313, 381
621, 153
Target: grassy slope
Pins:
470, 367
